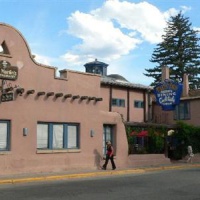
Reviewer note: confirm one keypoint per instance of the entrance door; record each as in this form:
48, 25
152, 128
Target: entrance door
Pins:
107, 135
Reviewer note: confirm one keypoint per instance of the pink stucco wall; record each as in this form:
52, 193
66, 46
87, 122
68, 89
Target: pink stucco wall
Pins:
26, 110
137, 114
105, 93
119, 93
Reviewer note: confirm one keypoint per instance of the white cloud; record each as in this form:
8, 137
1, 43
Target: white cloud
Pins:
99, 37
113, 30
197, 29
42, 59
71, 58
171, 12
76, 59
184, 9
143, 17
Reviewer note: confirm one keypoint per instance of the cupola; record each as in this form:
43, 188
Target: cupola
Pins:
96, 67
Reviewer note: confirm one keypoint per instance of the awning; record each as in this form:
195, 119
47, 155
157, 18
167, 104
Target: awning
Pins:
143, 133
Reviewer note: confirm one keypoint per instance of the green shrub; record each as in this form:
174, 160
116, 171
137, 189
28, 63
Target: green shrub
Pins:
155, 144
186, 134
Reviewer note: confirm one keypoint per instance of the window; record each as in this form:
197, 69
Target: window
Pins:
4, 135
57, 136
72, 136
138, 104
118, 102
42, 136
107, 136
4, 48
182, 111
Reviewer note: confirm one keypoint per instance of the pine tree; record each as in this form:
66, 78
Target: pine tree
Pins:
179, 50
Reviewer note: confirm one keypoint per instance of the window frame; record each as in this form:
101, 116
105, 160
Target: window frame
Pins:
182, 111
108, 129
65, 134
138, 104
118, 102
8, 135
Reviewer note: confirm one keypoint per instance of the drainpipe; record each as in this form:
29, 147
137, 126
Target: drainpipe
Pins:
145, 107
128, 105
149, 101
110, 101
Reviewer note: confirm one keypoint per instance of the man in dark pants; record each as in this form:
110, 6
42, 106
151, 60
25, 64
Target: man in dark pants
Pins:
109, 155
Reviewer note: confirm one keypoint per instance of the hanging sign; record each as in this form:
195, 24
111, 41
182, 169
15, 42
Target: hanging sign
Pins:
7, 97
8, 72
168, 94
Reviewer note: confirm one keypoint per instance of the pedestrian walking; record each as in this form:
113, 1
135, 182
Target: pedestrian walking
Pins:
109, 156
190, 154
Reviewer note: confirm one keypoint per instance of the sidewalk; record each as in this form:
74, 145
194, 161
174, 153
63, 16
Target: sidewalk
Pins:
25, 178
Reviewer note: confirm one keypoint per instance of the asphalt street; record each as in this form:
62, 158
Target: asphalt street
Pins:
23, 178
170, 184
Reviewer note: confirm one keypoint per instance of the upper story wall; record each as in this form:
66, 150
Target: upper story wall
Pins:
137, 102
83, 84
138, 106
42, 78
33, 74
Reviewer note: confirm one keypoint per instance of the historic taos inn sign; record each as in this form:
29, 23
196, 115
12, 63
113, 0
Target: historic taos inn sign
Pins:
8, 72
168, 94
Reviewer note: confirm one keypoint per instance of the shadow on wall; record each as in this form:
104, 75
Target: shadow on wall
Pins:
97, 159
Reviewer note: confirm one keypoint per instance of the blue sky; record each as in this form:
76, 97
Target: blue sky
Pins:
122, 33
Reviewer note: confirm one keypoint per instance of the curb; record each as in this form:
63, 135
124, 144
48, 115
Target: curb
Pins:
69, 176
94, 174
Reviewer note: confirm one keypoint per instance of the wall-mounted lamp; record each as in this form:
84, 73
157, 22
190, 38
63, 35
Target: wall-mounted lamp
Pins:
92, 133
25, 131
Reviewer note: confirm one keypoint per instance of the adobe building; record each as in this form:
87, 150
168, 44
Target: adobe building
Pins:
54, 123
51, 123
